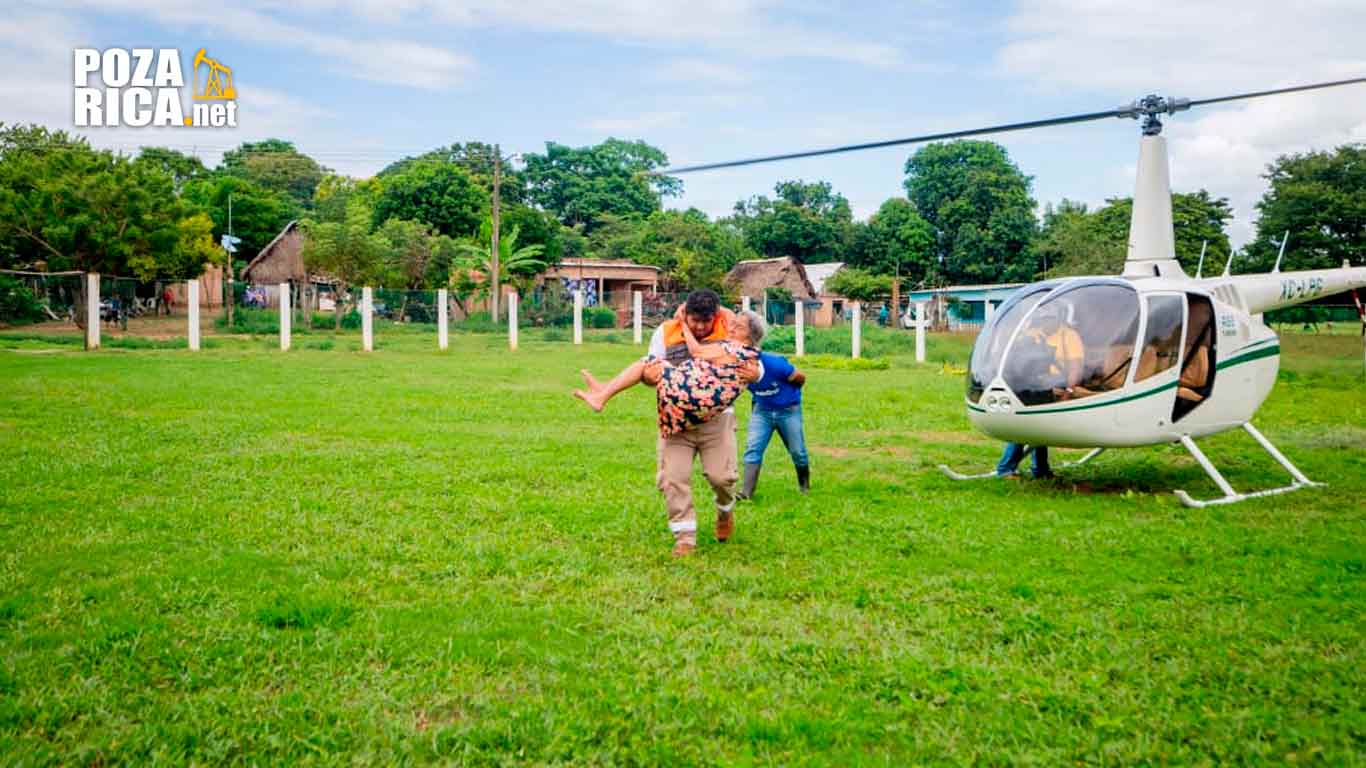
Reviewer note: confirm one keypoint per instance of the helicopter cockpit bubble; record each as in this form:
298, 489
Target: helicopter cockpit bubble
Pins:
990, 348
1077, 342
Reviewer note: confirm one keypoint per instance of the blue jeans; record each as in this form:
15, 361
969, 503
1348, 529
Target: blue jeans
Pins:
1014, 454
787, 422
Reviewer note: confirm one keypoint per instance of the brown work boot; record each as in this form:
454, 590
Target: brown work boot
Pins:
683, 548
725, 525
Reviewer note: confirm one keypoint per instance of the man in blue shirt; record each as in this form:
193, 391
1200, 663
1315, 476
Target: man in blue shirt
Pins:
777, 406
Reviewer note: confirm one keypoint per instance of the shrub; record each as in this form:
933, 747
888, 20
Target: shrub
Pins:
599, 317
17, 302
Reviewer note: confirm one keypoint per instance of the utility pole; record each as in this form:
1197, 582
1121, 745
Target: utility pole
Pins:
497, 216
227, 271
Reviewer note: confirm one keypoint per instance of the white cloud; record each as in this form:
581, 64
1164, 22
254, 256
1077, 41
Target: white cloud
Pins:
379, 59
757, 28
1204, 50
636, 125
703, 72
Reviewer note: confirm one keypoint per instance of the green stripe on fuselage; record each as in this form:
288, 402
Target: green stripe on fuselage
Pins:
1244, 355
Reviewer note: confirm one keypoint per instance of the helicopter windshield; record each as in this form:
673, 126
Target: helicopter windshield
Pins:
991, 343
1077, 343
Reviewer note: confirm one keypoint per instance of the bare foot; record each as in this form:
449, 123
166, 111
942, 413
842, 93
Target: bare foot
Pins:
593, 399
593, 384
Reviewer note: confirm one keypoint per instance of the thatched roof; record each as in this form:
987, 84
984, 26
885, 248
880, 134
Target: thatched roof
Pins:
281, 260
754, 278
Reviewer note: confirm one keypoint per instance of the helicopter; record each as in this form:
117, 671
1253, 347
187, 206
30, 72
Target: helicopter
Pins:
1151, 356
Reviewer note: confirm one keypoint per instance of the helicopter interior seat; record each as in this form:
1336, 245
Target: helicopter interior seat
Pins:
1197, 375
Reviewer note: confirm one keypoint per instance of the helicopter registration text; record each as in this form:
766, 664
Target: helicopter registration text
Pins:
1301, 288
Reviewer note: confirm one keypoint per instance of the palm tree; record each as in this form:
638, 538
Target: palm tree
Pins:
511, 259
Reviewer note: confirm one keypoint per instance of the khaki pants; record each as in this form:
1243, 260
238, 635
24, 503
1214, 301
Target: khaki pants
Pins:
714, 441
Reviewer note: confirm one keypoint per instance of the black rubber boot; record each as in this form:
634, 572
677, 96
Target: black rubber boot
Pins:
751, 480
804, 479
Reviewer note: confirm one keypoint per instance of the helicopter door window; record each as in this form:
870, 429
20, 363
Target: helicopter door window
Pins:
1161, 337
1077, 343
1197, 366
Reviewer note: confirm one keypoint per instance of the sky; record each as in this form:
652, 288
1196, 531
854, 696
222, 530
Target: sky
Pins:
358, 84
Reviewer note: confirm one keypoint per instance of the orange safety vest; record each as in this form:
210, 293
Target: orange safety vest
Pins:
673, 331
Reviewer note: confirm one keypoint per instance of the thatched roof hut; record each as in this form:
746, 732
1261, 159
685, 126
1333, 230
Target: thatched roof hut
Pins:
755, 277
281, 261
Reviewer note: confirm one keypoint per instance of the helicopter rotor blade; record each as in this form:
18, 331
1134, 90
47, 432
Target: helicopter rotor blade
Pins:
1151, 106
897, 142
1275, 91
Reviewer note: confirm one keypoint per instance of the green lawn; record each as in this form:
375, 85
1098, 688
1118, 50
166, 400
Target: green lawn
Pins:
242, 556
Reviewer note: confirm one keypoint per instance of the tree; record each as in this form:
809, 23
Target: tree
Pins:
346, 251
178, 165
335, 193
476, 158
895, 241
513, 261
1075, 242
194, 248
258, 214
436, 193
581, 185
1320, 198
415, 256
85, 209
858, 285
809, 222
691, 251
275, 165
977, 202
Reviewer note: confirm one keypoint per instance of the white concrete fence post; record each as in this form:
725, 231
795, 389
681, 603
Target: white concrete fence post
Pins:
92, 310
284, 317
858, 329
192, 299
801, 329
989, 312
920, 319
744, 303
367, 323
637, 321
443, 339
512, 321
578, 317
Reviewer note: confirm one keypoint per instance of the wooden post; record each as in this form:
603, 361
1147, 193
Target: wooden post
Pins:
367, 324
896, 301
92, 310
858, 329
442, 319
192, 298
744, 303
637, 322
285, 315
801, 328
578, 315
920, 321
512, 321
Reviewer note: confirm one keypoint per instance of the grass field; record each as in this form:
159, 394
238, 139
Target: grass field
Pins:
242, 556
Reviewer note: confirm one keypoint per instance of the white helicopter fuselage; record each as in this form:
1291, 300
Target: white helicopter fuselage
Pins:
1149, 380
1244, 362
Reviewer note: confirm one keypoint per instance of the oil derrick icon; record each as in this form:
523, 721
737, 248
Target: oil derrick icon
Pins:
218, 83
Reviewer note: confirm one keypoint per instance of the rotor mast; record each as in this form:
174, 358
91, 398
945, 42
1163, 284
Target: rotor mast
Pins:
1152, 238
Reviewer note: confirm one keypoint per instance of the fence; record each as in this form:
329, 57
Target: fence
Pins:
286, 309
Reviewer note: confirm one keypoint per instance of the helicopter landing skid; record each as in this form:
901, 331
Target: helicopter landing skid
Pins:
1231, 496
984, 475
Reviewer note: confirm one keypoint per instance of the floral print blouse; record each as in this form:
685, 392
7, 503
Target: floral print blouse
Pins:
694, 391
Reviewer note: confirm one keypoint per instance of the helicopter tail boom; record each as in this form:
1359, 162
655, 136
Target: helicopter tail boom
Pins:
1276, 290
